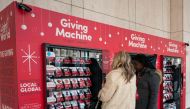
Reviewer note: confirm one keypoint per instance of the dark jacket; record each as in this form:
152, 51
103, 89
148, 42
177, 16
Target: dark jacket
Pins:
147, 87
96, 78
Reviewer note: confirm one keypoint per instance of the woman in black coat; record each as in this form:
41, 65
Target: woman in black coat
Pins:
97, 79
148, 82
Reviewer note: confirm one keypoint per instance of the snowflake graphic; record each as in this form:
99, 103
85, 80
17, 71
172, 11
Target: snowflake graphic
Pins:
29, 57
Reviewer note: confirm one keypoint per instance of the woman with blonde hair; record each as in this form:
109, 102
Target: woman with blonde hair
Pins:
119, 90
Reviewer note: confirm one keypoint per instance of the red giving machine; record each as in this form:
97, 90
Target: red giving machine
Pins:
45, 59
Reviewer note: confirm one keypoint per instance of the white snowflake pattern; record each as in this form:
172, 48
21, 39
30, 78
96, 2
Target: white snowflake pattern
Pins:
100, 39
23, 27
29, 57
109, 35
125, 38
105, 43
118, 33
42, 33
33, 15
50, 24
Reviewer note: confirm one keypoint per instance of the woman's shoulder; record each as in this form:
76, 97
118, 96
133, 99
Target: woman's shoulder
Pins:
114, 74
152, 73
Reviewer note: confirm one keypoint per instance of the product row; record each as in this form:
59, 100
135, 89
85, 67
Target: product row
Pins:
66, 59
68, 83
167, 96
60, 61
167, 83
168, 70
170, 106
67, 71
167, 62
80, 104
168, 77
72, 53
61, 96
168, 90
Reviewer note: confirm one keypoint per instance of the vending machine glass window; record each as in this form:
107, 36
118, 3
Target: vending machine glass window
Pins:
171, 82
68, 76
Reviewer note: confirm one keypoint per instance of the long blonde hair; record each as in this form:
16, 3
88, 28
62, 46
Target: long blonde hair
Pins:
123, 60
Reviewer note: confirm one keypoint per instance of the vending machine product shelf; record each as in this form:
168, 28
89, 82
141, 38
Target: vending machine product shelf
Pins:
68, 77
171, 82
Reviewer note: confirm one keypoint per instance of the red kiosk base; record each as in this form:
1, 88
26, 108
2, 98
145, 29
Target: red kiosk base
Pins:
22, 35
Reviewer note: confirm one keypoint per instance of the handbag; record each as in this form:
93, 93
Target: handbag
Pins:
98, 104
95, 104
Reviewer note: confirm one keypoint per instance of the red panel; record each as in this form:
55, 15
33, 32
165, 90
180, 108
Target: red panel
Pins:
8, 70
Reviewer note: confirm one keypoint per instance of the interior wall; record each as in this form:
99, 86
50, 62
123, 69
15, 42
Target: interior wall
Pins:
186, 34
176, 19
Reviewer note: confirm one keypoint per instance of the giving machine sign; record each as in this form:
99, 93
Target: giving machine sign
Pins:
173, 47
80, 31
137, 41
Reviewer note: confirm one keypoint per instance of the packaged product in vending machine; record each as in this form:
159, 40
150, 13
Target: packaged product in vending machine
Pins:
50, 56
76, 53
58, 72
87, 61
87, 71
67, 95
67, 60
57, 52
66, 71
88, 93
67, 83
92, 54
59, 61
87, 102
59, 105
50, 85
59, 96
82, 104
74, 94
74, 71
50, 69
67, 105
51, 106
81, 71
74, 82
74, 105
63, 52
59, 83
82, 61
81, 82
88, 82
76, 60
51, 99
81, 94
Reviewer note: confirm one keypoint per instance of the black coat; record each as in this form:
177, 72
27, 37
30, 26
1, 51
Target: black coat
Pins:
147, 87
96, 79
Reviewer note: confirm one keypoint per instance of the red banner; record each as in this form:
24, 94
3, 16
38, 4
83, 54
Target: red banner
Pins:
8, 67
